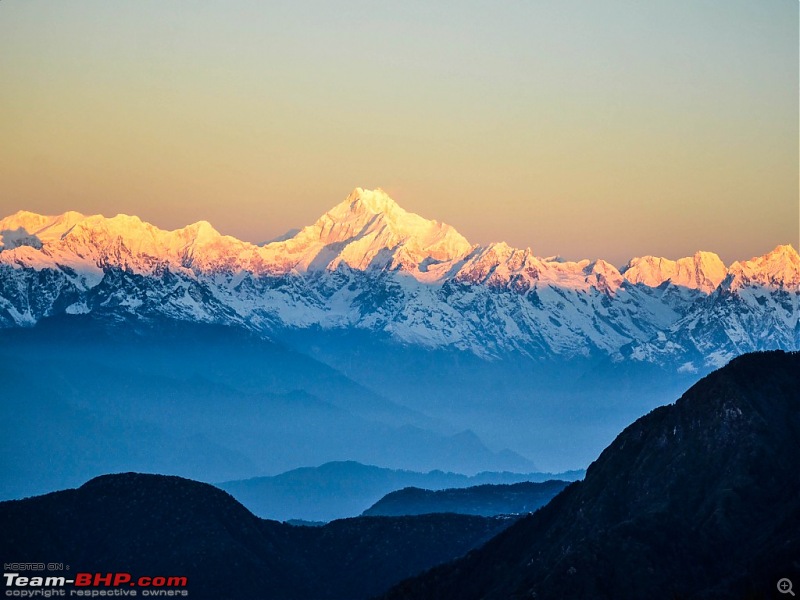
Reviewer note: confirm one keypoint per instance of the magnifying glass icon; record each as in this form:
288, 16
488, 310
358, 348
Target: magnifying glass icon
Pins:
785, 586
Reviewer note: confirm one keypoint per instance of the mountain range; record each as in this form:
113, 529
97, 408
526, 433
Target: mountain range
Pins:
337, 490
460, 357
367, 264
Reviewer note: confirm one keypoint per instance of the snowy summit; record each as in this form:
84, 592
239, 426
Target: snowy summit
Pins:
369, 264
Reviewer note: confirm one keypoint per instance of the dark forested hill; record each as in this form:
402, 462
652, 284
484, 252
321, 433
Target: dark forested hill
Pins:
700, 499
152, 525
486, 500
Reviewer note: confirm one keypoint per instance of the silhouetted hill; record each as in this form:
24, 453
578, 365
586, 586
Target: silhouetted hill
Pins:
485, 500
700, 499
342, 489
150, 525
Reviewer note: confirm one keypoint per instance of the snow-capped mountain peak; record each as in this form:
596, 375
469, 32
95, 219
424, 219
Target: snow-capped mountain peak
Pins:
369, 230
25, 228
202, 230
369, 264
603, 276
777, 269
87, 243
704, 271
376, 201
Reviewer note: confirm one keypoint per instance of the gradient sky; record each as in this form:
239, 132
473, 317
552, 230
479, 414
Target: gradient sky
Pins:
592, 128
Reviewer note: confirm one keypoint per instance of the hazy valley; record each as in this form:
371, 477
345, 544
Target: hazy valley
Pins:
664, 508
372, 335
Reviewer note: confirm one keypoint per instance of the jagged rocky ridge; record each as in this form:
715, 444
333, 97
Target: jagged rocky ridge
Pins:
369, 265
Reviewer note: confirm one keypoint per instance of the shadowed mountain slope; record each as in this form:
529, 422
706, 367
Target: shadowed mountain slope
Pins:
485, 500
699, 499
159, 525
341, 489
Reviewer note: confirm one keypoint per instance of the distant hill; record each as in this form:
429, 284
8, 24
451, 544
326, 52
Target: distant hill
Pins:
485, 500
198, 400
150, 525
700, 499
347, 488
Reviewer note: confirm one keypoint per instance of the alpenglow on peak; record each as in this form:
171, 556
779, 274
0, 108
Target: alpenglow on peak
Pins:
370, 264
369, 229
375, 200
